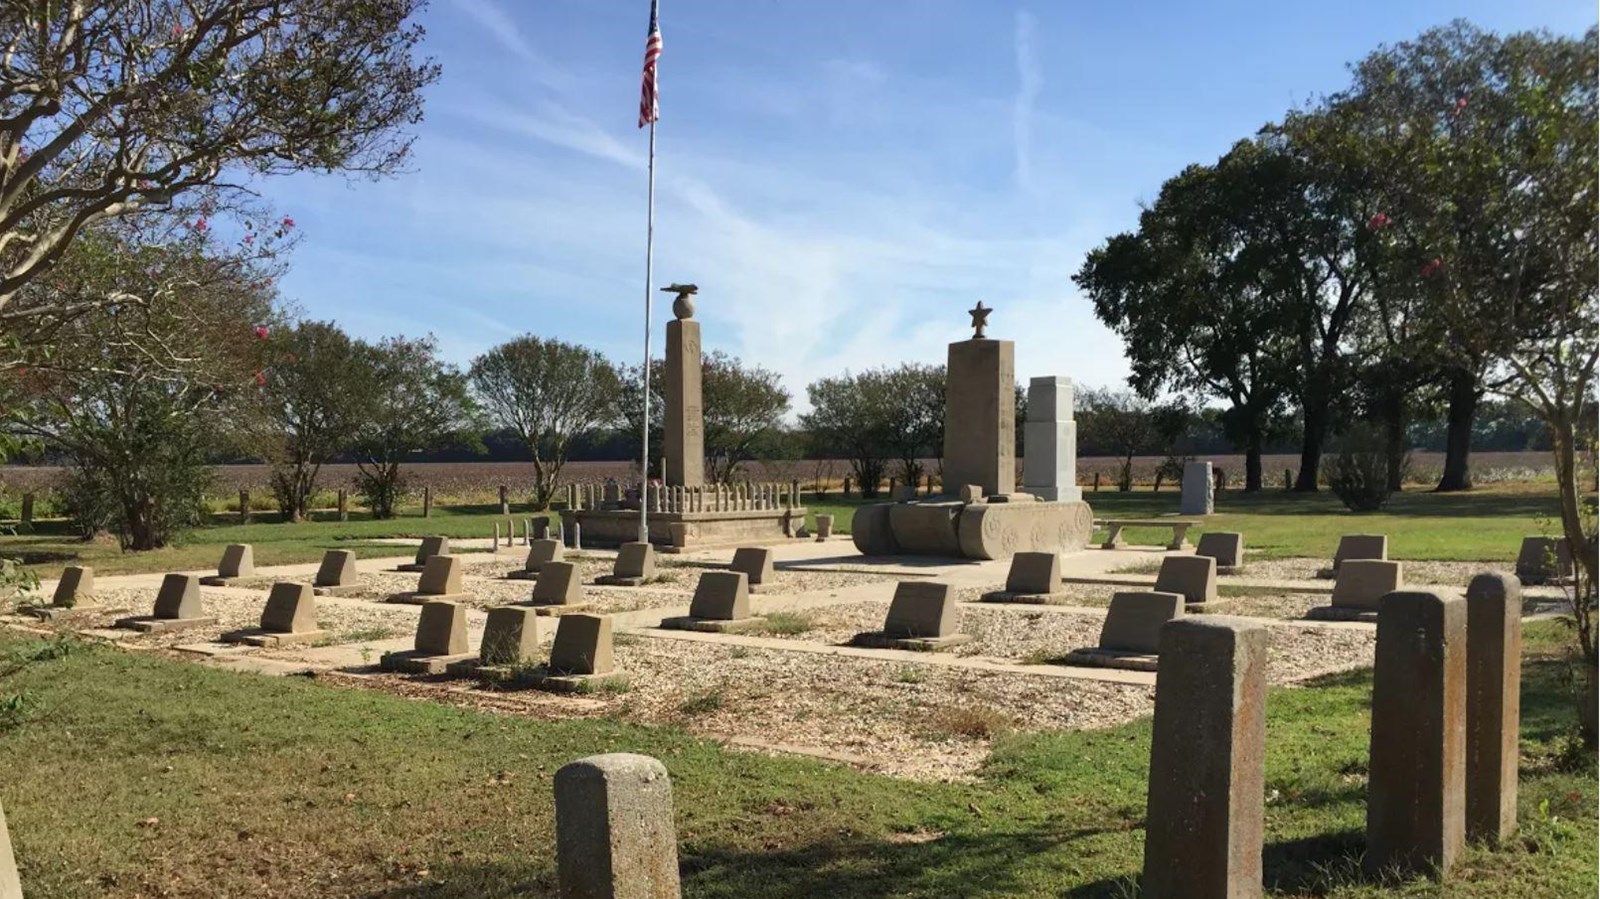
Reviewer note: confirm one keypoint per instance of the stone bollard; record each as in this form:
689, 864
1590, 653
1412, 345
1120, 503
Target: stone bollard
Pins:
496, 544
27, 508
527, 532
10, 883
1204, 820
1097, 482
577, 535
244, 507
344, 504
427, 502
1416, 808
847, 488
505, 501
1494, 705
824, 526
615, 837
1288, 482
541, 529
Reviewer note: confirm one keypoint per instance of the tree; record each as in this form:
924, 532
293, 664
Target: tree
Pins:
548, 392
113, 109
743, 407
849, 417
307, 411
1118, 422
1197, 294
407, 401
139, 395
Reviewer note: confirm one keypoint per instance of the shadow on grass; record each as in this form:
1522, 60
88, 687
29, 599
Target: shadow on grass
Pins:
1410, 503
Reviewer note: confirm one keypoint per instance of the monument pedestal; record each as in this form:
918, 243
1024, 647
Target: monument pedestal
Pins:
676, 532
943, 526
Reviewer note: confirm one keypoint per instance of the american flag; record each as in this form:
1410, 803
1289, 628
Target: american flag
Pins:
649, 107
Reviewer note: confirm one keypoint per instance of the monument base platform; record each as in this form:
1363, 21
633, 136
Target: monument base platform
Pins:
676, 532
943, 526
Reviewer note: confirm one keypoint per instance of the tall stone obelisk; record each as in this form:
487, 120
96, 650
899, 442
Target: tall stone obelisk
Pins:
685, 430
980, 412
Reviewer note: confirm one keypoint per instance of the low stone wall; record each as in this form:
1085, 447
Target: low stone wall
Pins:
678, 531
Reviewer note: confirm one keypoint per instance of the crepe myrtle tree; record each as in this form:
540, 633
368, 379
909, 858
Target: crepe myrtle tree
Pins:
548, 392
115, 107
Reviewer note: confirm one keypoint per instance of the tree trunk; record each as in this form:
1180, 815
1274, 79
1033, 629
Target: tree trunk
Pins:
1464, 396
1314, 434
1392, 410
1252, 461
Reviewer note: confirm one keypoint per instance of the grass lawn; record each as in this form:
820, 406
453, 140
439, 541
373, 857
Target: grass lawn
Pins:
1487, 524
131, 775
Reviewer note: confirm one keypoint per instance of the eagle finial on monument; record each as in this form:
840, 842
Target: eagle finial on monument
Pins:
980, 319
682, 305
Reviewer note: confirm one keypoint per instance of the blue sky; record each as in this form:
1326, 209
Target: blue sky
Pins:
842, 178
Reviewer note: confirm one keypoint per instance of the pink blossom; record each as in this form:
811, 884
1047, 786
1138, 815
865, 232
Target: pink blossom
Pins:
249, 239
1378, 222
1432, 267
200, 224
177, 32
261, 331
287, 223
261, 379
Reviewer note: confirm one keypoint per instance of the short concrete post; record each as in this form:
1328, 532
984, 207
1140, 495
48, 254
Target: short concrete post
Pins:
847, 487
497, 535
1288, 482
244, 507
615, 837
344, 504
1204, 821
1494, 704
1097, 482
505, 501
27, 508
541, 529
577, 535
527, 532
1416, 808
10, 883
427, 502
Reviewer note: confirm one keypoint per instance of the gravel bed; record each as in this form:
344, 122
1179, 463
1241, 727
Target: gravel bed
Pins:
1290, 607
916, 721
1415, 572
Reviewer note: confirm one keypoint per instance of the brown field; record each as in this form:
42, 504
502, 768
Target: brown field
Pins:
481, 479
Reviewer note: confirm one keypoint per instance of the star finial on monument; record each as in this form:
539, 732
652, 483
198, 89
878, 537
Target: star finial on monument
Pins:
980, 319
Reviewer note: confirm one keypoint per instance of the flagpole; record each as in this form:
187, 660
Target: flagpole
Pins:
649, 273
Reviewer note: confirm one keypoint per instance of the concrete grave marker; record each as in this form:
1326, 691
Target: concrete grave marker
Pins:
1544, 560
756, 563
1357, 546
1227, 548
1198, 484
1050, 441
238, 561
541, 551
1494, 705
824, 527
440, 580
615, 837
74, 593
1034, 577
721, 603
1204, 818
1416, 803
441, 641
635, 565
558, 585
10, 883
177, 608
582, 645
1130, 638
922, 615
431, 546
510, 636
290, 616
337, 574
1193, 577
1359, 589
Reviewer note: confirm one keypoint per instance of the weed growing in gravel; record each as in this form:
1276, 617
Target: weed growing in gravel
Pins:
910, 674
608, 687
702, 703
786, 624
625, 640
739, 652
976, 721
361, 635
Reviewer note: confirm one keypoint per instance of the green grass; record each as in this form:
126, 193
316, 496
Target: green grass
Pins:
188, 782
1482, 525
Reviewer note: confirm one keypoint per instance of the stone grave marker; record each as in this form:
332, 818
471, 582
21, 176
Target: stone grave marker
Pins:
177, 608
336, 575
756, 563
922, 615
558, 586
510, 642
1494, 705
1204, 821
582, 649
1131, 635
1193, 577
431, 546
635, 566
1544, 560
74, 593
721, 603
1416, 803
441, 641
440, 581
1360, 587
824, 527
290, 616
541, 551
615, 837
1034, 577
1357, 546
238, 561
1198, 485
1227, 548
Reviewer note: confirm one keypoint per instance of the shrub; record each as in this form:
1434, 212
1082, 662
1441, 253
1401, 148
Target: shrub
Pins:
1359, 473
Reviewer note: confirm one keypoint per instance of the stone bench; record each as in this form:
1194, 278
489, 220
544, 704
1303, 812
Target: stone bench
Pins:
1180, 527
